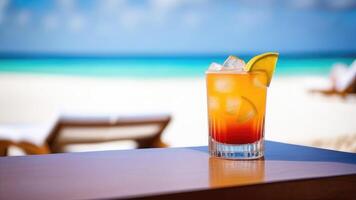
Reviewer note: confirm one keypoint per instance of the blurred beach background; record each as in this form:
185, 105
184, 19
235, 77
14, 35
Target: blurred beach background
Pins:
126, 57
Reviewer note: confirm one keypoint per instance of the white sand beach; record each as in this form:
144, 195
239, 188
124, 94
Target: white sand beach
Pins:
293, 114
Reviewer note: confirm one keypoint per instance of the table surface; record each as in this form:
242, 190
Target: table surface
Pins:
150, 172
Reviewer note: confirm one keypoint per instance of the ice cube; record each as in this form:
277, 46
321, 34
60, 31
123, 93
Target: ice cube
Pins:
213, 103
215, 67
234, 63
224, 85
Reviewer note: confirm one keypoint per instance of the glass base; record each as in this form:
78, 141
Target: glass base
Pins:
236, 151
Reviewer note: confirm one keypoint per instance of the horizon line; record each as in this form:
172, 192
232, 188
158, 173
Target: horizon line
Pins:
42, 55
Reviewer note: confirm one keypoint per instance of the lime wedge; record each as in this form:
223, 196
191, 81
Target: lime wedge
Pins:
265, 63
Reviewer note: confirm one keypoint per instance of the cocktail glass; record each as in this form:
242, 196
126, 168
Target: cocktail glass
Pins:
236, 111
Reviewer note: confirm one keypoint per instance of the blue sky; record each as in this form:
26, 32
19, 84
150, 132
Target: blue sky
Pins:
166, 27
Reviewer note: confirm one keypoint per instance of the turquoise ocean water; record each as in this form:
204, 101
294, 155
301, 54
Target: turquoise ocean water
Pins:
154, 67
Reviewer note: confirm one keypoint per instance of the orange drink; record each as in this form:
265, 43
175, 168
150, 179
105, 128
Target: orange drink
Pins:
236, 106
236, 111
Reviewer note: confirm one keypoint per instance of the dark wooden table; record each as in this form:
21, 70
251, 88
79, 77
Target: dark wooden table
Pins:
287, 172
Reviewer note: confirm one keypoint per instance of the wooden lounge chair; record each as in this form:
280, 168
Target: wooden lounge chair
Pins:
351, 89
146, 131
27, 147
26, 138
343, 81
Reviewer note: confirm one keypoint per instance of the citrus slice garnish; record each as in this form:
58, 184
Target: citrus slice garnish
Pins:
265, 63
242, 108
247, 110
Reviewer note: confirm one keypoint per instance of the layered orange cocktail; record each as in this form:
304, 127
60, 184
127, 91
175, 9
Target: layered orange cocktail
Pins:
236, 94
